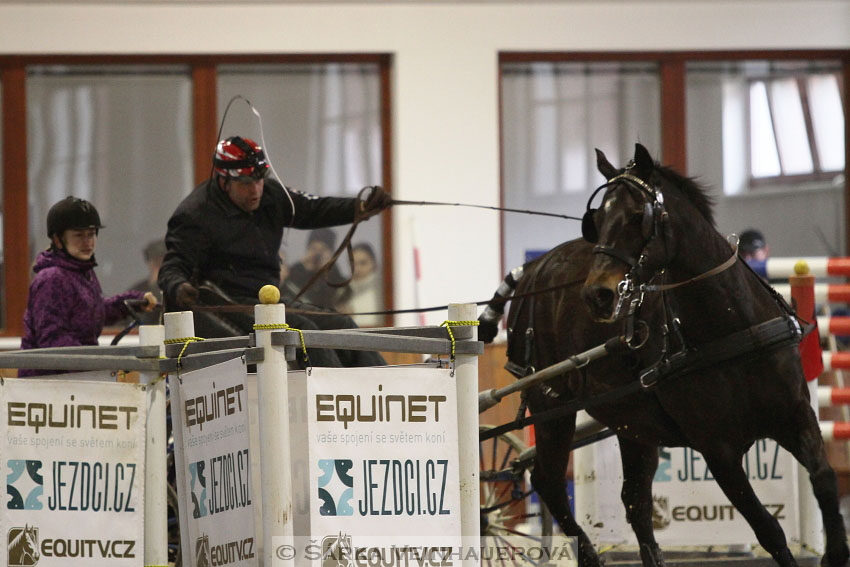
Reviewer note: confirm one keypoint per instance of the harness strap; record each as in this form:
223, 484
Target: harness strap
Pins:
627, 259
712, 272
769, 335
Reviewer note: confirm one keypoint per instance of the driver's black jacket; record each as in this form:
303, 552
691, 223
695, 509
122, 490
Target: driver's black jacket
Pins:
210, 238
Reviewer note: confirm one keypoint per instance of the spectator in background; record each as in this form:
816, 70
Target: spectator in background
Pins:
320, 247
753, 247
363, 294
153, 253
66, 306
754, 250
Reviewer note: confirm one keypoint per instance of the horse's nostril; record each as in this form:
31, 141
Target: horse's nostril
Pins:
598, 297
603, 296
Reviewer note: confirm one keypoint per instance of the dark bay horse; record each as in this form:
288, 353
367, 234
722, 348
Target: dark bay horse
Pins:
716, 352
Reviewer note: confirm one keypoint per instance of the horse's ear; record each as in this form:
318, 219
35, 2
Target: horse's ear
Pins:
643, 161
604, 166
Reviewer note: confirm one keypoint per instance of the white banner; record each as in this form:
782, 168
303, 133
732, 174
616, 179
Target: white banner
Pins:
383, 450
73, 457
689, 508
217, 498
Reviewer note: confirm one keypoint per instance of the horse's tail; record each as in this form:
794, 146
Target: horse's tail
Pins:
488, 322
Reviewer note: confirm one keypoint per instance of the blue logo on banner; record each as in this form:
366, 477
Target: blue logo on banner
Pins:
343, 488
24, 491
198, 486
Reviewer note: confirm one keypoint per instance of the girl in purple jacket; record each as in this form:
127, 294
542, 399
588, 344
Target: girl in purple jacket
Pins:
66, 306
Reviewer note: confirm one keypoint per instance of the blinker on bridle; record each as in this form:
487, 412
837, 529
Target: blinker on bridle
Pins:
652, 211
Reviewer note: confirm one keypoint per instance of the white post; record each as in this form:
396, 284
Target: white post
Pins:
585, 482
179, 325
275, 473
156, 464
811, 521
466, 381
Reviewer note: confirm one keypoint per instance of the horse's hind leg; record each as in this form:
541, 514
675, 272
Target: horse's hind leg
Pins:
725, 464
806, 444
639, 464
549, 480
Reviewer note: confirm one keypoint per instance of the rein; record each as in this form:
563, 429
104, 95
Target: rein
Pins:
247, 308
360, 215
503, 209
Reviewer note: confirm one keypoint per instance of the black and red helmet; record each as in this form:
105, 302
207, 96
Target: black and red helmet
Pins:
240, 157
72, 213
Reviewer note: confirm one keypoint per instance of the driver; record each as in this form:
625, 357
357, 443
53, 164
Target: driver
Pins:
228, 231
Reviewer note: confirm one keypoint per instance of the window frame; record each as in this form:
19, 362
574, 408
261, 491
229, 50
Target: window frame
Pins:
204, 97
784, 179
672, 68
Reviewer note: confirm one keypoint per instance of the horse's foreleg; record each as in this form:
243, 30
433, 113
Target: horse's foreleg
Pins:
725, 464
549, 480
639, 464
806, 444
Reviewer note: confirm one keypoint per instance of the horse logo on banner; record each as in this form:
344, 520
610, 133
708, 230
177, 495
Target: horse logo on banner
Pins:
337, 551
202, 551
23, 546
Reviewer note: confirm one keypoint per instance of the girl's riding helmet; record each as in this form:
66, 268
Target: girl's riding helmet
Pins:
240, 157
72, 213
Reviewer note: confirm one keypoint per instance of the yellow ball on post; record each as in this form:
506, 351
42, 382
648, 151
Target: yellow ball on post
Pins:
801, 268
269, 294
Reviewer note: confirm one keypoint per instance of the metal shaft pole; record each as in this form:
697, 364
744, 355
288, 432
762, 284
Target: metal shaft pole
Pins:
490, 398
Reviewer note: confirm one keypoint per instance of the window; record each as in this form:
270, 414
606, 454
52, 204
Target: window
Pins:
119, 137
2, 262
553, 116
322, 129
767, 138
796, 126
134, 133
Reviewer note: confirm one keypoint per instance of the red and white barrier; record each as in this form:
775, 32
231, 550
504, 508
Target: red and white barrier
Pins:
836, 360
819, 267
838, 326
829, 396
824, 293
835, 430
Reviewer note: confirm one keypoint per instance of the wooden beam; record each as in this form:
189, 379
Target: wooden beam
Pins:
845, 67
673, 130
204, 117
16, 267
387, 180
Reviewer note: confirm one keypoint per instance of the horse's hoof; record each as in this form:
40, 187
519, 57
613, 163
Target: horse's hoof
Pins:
651, 556
836, 559
784, 558
587, 553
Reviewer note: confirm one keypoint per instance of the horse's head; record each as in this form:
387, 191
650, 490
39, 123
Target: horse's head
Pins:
23, 548
631, 232
31, 540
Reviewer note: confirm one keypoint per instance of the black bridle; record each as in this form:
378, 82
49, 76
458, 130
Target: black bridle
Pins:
653, 225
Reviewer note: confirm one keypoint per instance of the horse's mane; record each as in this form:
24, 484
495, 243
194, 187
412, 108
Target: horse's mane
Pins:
693, 191
20, 539
16, 540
